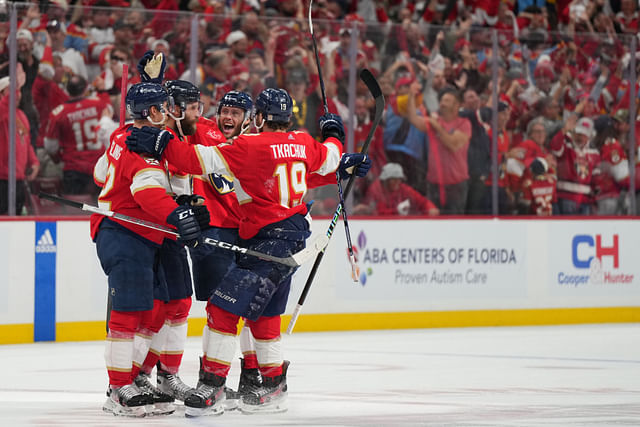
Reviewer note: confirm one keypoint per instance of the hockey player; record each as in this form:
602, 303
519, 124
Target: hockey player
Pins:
129, 253
234, 117
71, 137
270, 193
166, 347
186, 123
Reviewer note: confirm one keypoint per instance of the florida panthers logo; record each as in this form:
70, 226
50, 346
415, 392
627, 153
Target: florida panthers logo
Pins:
222, 184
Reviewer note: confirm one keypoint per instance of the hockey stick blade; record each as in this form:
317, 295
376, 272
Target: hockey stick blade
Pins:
374, 88
295, 260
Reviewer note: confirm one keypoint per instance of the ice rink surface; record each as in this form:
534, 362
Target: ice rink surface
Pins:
585, 375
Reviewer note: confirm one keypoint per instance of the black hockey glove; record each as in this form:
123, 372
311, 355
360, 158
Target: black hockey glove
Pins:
199, 209
351, 163
148, 140
331, 126
185, 220
151, 67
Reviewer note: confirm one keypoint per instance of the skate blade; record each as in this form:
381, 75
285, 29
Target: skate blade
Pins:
164, 408
267, 408
231, 404
122, 411
217, 409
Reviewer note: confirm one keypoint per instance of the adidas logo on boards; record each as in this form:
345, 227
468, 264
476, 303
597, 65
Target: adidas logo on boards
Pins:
45, 243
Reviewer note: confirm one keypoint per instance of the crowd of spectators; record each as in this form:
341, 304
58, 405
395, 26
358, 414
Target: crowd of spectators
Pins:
563, 82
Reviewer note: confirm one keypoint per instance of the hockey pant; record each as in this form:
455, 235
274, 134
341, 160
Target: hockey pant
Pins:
210, 263
254, 287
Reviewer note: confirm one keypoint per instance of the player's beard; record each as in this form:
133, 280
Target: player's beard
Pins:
189, 127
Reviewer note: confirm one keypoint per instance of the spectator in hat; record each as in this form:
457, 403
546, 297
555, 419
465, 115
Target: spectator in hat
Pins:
577, 166
48, 93
27, 164
621, 123
123, 36
238, 47
613, 180
390, 195
70, 57
30, 64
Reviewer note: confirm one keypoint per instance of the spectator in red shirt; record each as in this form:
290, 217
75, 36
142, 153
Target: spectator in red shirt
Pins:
27, 164
449, 136
614, 168
389, 195
577, 166
628, 18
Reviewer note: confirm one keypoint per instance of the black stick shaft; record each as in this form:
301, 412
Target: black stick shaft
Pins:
315, 50
374, 88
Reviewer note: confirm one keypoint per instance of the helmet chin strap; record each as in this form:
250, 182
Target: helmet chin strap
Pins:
178, 120
164, 117
246, 124
255, 123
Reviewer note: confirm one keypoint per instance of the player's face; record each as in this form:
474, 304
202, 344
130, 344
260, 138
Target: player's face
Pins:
192, 114
158, 116
230, 121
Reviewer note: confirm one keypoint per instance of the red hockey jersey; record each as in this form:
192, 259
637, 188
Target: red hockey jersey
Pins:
132, 185
74, 125
614, 170
270, 170
577, 168
217, 189
539, 193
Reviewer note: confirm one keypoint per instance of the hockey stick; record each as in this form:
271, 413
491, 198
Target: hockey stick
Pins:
294, 260
124, 79
315, 50
355, 270
376, 92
